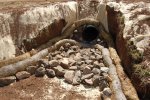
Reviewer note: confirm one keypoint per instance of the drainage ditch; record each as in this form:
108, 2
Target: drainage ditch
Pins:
83, 58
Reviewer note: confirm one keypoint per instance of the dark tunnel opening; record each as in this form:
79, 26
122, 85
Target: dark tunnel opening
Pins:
90, 33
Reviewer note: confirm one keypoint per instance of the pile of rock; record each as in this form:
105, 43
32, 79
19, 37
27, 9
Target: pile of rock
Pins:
77, 65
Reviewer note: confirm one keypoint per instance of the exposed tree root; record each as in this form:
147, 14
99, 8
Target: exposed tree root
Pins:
12, 69
127, 86
116, 85
18, 58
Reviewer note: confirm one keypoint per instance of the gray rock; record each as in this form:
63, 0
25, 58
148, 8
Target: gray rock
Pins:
99, 57
23, 75
92, 57
85, 57
72, 62
50, 57
77, 57
69, 52
65, 63
31, 69
101, 65
96, 71
69, 75
102, 84
53, 63
88, 81
87, 76
7, 80
57, 57
50, 73
90, 66
67, 45
92, 50
43, 62
96, 80
73, 68
107, 91
87, 61
105, 52
40, 72
107, 60
75, 48
77, 78
86, 70
104, 69
79, 63
96, 64
81, 67
59, 71
61, 48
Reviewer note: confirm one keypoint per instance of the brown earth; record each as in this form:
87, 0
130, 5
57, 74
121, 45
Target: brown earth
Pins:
37, 89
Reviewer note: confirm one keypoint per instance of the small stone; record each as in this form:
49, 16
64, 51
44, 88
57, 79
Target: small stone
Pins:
106, 76
104, 69
92, 57
90, 66
77, 57
61, 48
43, 62
85, 57
40, 72
99, 57
72, 62
88, 81
88, 61
86, 70
31, 69
75, 48
73, 68
22, 75
58, 57
50, 57
7, 80
65, 63
59, 71
77, 78
50, 73
53, 63
107, 91
96, 71
92, 50
102, 84
96, 80
96, 64
69, 76
79, 63
101, 65
67, 45
87, 76
69, 52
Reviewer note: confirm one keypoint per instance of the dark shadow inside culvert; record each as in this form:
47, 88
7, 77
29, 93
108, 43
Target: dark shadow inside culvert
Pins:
89, 33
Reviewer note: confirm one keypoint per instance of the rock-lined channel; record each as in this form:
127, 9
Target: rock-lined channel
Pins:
82, 64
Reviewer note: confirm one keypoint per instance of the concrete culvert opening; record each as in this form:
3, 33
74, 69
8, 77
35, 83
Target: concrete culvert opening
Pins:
90, 33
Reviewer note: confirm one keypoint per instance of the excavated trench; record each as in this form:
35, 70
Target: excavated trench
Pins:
80, 63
